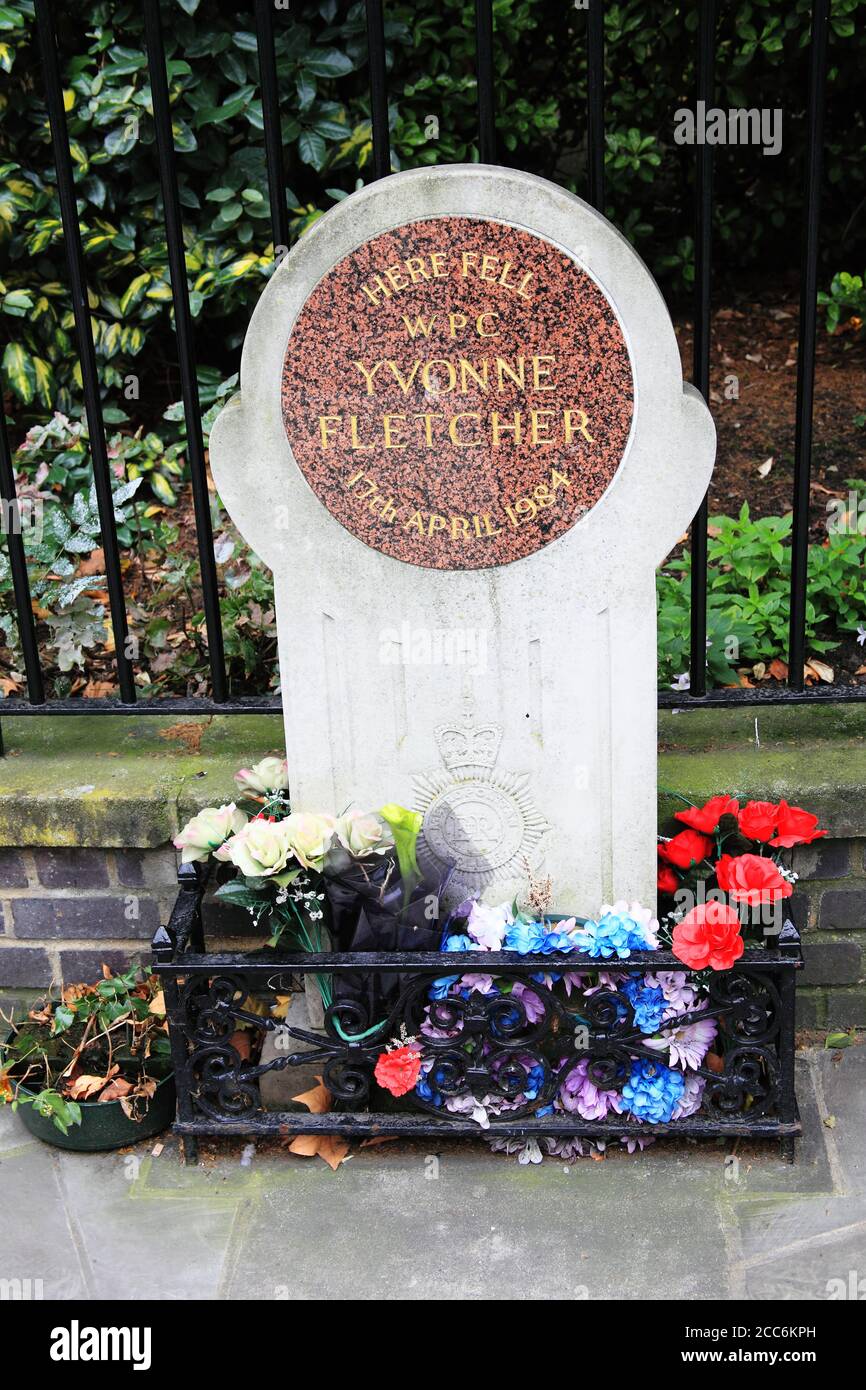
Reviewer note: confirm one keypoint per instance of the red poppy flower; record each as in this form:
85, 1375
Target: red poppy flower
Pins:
706, 818
794, 826
749, 878
757, 820
709, 935
667, 880
686, 849
399, 1070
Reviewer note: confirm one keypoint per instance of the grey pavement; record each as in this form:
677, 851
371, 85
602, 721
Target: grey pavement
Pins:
419, 1221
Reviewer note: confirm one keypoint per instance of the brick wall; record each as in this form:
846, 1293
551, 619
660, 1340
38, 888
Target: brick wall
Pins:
831, 914
65, 911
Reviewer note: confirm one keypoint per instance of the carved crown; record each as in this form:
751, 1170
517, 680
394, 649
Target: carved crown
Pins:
467, 745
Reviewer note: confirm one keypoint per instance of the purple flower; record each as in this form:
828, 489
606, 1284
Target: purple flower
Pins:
688, 1045
690, 1100
579, 1093
682, 996
532, 1005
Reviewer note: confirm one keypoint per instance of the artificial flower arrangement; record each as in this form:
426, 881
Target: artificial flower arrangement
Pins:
352, 882
315, 881
728, 863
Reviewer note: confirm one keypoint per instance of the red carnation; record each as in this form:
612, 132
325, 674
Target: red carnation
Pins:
757, 820
667, 881
399, 1070
686, 849
706, 818
709, 935
749, 878
794, 826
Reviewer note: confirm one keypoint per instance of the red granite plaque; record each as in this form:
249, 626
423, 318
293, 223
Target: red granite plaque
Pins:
457, 392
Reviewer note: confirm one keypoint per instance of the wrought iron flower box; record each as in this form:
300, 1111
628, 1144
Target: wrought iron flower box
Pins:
487, 1049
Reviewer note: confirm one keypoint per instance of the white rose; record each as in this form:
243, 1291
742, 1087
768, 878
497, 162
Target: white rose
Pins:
209, 829
362, 834
309, 836
269, 776
260, 850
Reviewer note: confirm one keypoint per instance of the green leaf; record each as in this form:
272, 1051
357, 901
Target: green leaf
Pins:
327, 62
312, 149
19, 372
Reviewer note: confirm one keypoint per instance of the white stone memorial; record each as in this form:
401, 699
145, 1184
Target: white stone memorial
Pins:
463, 445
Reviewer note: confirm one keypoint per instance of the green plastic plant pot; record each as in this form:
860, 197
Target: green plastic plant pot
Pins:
104, 1124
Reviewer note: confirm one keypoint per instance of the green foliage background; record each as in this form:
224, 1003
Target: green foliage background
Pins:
541, 96
540, 67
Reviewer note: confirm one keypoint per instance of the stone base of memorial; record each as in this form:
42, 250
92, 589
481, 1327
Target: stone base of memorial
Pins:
506, 1047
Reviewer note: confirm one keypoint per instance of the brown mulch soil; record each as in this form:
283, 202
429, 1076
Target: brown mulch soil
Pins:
755, 339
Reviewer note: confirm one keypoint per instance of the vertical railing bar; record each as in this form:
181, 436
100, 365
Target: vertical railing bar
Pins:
18, 565
701, 346
87, 355
484, 78
185, 350
595, 103
271, 120
378, 89
806, 348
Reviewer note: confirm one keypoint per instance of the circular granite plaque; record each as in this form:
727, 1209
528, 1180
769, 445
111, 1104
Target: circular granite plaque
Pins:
457, 392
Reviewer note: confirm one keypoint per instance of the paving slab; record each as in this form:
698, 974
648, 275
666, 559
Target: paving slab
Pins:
38, 1244
832, 1267
445, 1219
149, 1227
842, 1078
462, 1227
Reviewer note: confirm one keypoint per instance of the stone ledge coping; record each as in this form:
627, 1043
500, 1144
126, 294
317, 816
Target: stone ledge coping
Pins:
130, 781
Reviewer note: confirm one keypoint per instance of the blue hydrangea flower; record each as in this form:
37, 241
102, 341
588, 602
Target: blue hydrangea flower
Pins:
524, 937
426, 1091
614, 934
649, 1004
440, 988
459, 943
534, 1082
652, 1091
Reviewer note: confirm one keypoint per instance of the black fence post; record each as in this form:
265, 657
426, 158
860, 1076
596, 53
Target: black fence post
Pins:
806, 348
701, 344
185, 350
89, 373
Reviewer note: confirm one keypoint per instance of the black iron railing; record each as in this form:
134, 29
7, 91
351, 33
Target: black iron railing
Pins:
697, 696
475, 1048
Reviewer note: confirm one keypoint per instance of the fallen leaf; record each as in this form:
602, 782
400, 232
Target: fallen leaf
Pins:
764, 468
116, 1090
96, 690
378, 1139
830, 1121
157, 1004
85, 1087
714, 1062
241, 1041
318, 1100
861, 671
94, 563
282, 1006
334, 1149
307, 1145
821, 669
189, 734
778, 668
9, 685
